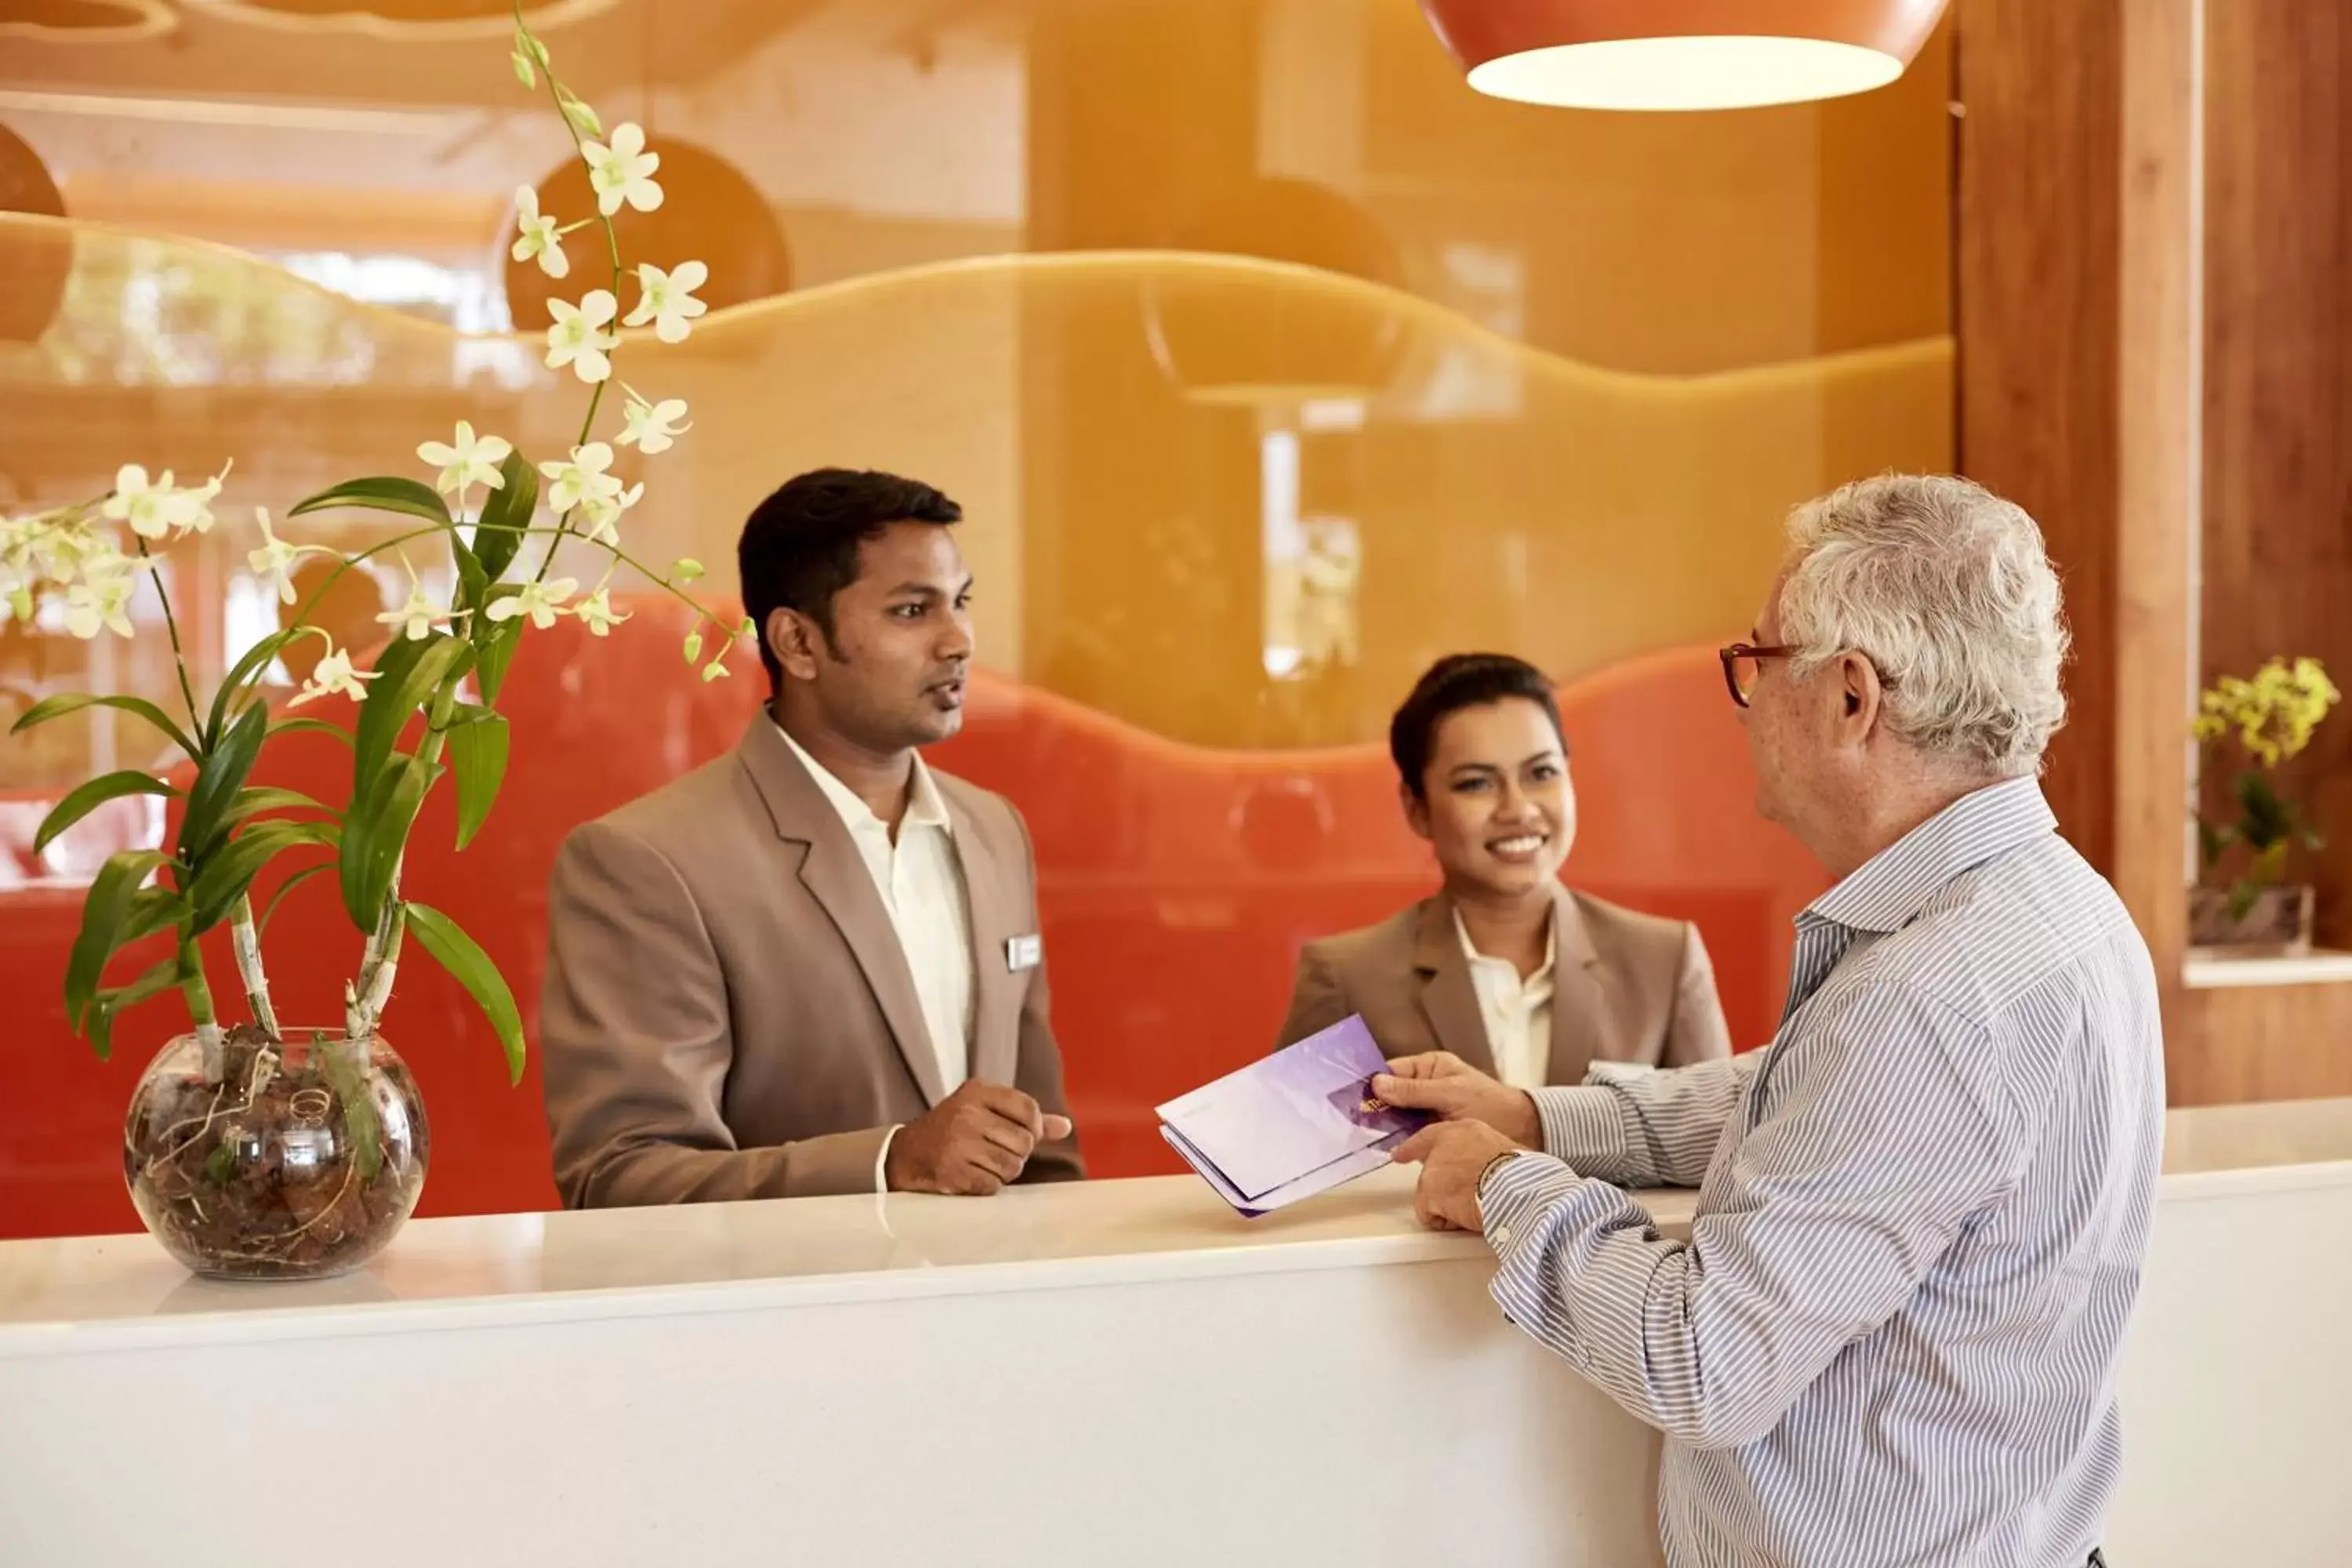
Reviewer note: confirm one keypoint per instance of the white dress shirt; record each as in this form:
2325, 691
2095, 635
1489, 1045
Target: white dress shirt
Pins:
1517, 1012
921, 883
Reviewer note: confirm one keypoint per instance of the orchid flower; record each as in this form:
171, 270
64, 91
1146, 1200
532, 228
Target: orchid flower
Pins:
597, 614
542, 602
652, 428
415, 618
666, 299
580, 479
622, 172
334, 674
468, 460
536, 235
271, 563
579, 338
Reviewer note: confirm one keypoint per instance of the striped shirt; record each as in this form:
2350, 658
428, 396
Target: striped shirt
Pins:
1892, 1337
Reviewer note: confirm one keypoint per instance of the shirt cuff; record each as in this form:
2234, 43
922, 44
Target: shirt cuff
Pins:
1516, 1189
1583, 1126
882, 1161
1545, 1223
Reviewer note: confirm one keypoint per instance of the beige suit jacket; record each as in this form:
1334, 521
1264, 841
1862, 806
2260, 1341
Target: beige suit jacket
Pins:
1628, 987
727, 1011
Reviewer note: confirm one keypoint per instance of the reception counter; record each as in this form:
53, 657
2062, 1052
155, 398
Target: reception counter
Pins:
1115, 1373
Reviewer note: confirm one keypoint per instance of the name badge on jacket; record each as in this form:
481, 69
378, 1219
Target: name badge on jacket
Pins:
1023, 952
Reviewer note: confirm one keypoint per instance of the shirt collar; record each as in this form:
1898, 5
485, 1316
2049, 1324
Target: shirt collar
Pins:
1897, 883
925, 808
1552, 948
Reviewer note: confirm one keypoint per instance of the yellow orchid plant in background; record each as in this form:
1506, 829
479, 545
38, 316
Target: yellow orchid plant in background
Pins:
2271, 716
447, 661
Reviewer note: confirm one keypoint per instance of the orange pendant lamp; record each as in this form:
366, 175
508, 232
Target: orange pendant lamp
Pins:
1681, 54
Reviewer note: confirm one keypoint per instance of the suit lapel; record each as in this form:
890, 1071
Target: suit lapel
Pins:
1448, 998
1582, 999
835, 876
994, 919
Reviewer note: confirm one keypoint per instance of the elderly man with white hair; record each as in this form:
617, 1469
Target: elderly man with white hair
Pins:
1892, 1337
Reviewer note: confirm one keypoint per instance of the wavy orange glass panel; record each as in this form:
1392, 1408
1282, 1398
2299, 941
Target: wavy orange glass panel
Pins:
1176, 884
1118, 525
1109, 422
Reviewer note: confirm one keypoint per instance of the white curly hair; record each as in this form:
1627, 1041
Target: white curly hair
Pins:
1948, 590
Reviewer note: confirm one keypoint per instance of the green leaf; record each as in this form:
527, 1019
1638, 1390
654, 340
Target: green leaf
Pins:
219, 781
226, 876
459, 953
409, 498
2212, 840
2267, 818
81, 801
473, 583
375, 833
409, 672
151, 910
310, 727
477, 754
498, 532
102, 916
255, 799
361, 1122
293, 880
247, 670
58, 707
498, 653
112, 1003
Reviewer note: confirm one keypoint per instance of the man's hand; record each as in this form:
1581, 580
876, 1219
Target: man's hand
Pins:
1444, 1083
1453, 1155
970, 1143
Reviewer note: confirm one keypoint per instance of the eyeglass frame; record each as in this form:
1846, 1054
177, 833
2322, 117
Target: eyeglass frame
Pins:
1731, 653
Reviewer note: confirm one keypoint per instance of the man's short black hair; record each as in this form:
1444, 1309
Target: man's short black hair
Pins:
1462, 681
800, 546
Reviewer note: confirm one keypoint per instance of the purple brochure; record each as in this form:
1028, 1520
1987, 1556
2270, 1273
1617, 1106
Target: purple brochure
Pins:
1298, 1122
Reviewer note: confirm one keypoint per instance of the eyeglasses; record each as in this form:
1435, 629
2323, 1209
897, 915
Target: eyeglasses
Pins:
1743, 662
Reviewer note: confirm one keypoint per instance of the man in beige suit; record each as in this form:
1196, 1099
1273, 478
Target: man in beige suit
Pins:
812, 966
1527, 980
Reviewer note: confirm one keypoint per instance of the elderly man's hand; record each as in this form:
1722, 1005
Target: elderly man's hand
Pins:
1453, 1155
1442, 1082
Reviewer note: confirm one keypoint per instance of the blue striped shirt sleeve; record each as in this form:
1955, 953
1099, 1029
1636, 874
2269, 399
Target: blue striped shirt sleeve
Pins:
1650, 1130
1838, 1202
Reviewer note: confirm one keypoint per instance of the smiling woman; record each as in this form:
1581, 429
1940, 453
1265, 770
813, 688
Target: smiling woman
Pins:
1504, 966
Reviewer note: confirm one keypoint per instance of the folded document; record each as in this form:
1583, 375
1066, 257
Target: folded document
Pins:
1299, 1122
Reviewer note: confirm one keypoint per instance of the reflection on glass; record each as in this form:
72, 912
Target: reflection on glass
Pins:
1267, 360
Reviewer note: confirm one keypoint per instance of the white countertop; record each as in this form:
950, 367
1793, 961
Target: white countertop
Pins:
2209, 969
67, 1294
55, 1294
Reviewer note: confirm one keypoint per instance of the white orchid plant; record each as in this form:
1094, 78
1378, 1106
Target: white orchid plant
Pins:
447, 661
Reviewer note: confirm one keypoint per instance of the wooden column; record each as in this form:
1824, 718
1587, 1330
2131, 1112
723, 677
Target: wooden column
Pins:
2076, 290
2159, 438
2036, 271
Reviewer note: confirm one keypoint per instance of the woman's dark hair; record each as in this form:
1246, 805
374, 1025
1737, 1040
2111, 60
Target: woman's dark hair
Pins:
1462, 681
799, 547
